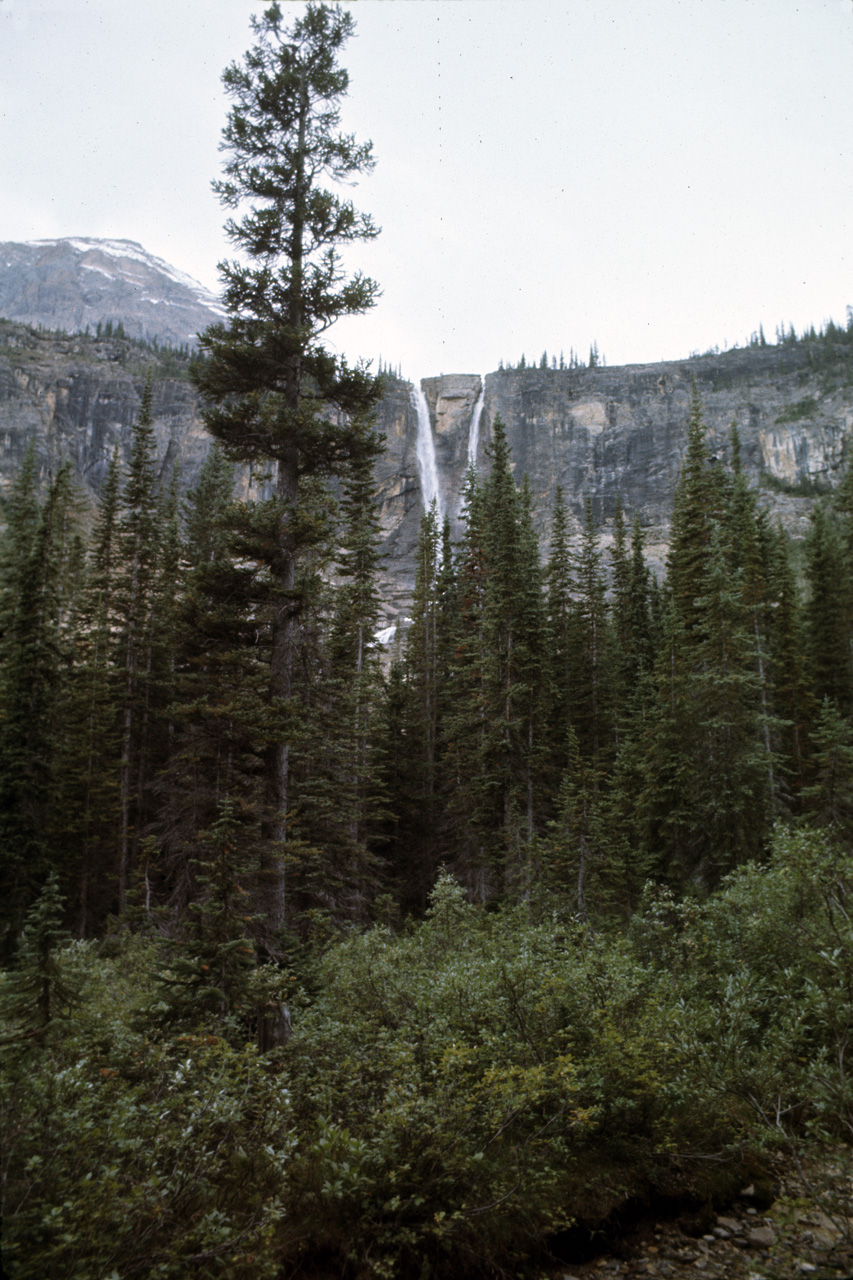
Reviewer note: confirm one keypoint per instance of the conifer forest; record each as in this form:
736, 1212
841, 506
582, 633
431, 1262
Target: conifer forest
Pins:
324, 959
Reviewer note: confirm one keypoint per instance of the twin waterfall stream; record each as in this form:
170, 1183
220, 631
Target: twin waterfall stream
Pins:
431, 489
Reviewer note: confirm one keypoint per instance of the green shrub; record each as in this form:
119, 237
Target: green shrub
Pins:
451, 1097
127, 1156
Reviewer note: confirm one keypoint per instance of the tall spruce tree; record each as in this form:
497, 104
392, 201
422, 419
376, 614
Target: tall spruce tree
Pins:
792, 701
827, 644
465, 776
87, 786
706, 796
591, 678
36, 589
502, 621
559, 632
138, 544
275, 396
219, 672
338, 788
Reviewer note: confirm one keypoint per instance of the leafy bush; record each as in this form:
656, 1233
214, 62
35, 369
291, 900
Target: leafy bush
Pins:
452, 1096
127, 1156
465, 1091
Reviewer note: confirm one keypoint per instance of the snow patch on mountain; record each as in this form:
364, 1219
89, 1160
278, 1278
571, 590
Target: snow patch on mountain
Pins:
78, 282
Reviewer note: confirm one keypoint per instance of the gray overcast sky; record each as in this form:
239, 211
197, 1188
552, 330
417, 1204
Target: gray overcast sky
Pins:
658, 175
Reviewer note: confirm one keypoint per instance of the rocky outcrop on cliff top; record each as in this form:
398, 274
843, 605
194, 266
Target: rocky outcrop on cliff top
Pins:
74, 283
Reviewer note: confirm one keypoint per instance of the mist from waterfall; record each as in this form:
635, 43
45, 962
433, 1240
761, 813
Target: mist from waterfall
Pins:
474, 429
427, 468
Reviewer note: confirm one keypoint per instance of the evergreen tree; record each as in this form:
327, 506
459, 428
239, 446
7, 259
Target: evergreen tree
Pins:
751, 552
95, 777
591, 709
88, 793
207, 971
792, 702
467, 827
530, 662
338, 797
733, 788
571, 852
559, 638
422, 650
267, 382
638, 626
829, 797
502, 620
217, 710
35, 618
695, 507
827, 644
37, 992
706, 798
844, 509
138, 545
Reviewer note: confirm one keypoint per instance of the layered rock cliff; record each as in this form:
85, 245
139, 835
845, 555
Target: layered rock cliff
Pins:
622, 431
76, 398
605, 432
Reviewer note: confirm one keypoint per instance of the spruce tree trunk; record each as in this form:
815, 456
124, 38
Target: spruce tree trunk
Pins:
280, 687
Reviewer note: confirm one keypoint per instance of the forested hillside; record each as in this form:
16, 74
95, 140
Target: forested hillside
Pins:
540, 732
569, 877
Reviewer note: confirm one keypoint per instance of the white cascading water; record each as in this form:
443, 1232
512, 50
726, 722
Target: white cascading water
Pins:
474, 429
427, 469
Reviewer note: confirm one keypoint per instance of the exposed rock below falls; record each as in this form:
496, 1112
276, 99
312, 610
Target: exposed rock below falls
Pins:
606, 432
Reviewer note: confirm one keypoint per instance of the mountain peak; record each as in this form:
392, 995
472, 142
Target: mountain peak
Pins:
76, 282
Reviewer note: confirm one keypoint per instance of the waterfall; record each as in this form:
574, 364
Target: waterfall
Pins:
474, 429
427, 469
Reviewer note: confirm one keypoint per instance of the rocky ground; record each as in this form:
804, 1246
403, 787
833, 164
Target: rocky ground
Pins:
807, 1231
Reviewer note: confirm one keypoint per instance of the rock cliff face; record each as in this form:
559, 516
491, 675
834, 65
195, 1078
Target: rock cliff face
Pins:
452, 400
76, 398
607, 432
69, 284
621, 432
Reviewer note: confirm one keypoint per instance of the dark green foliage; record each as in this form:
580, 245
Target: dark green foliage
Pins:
88, 789
206, 975
591, 677
129, 1153
219, 673
801, 409
275, 397
710, 779
38, 993
338, 792
39, 578
457, 1093
827, 641
828, 799
134, 620
414, 718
